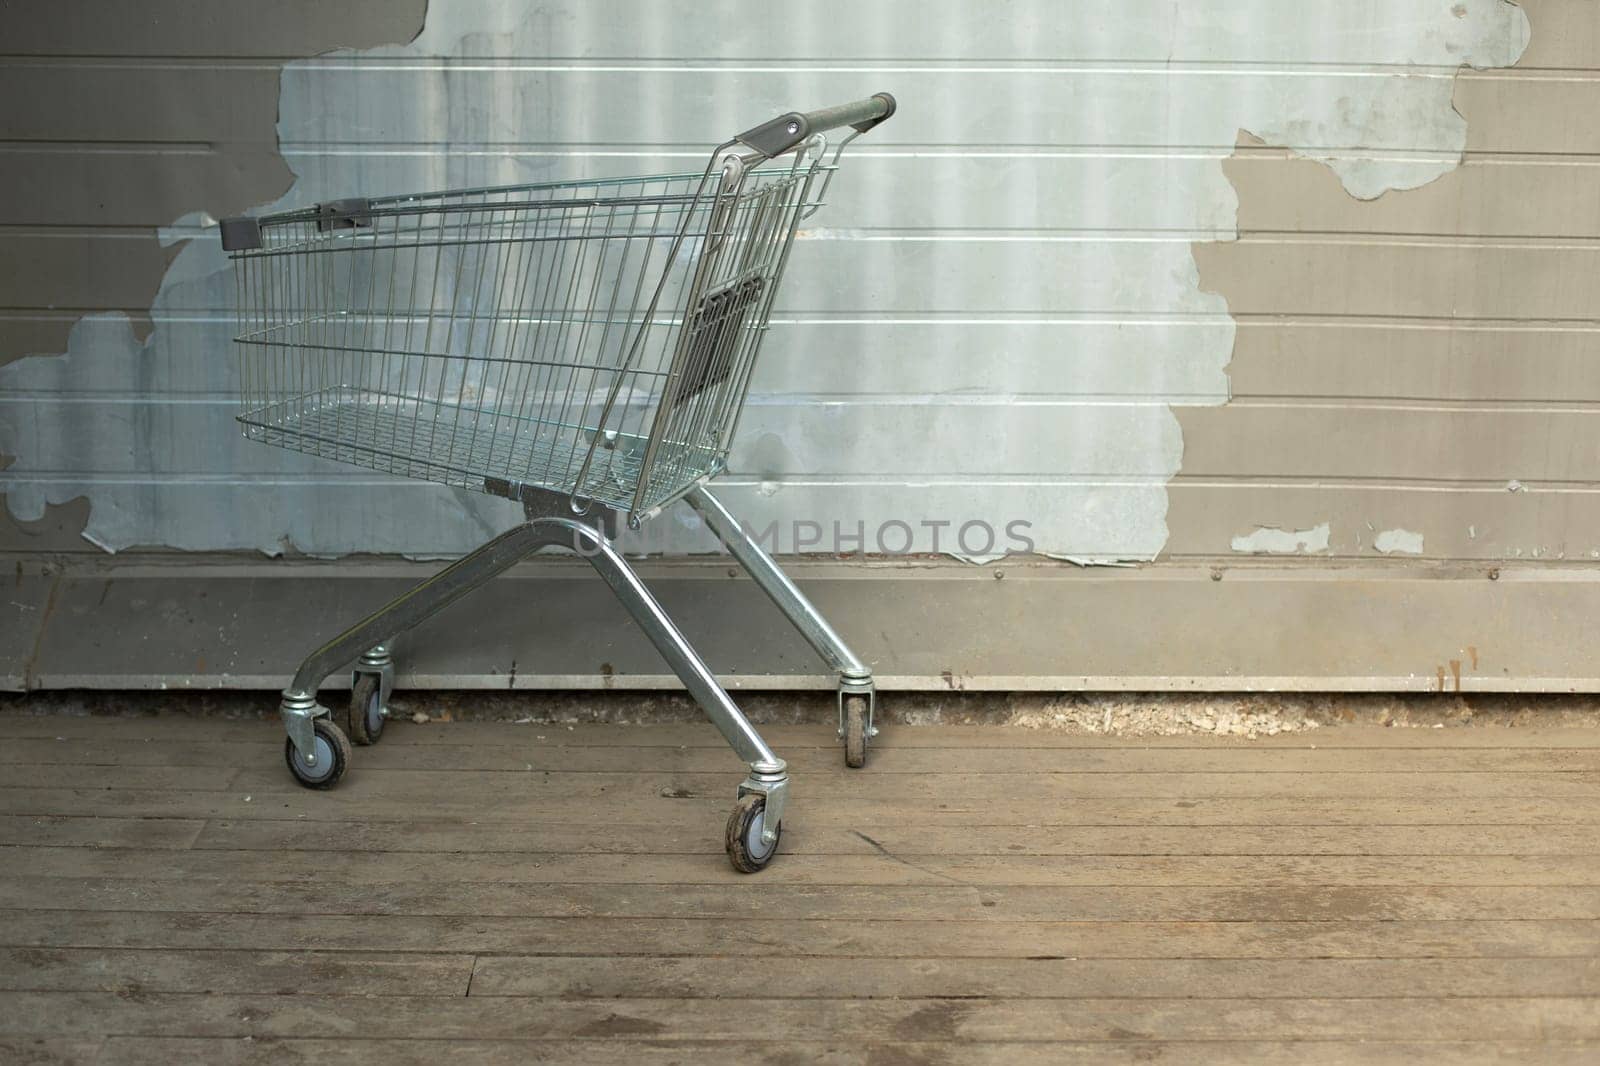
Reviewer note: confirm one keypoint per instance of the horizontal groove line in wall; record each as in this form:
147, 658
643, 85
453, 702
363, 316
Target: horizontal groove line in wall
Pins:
833, 482
1008, 400
1087, 235
928, 150
835, 400
201, 477
65, 231
795, 399
971, 319
1497, 486
1414, 405
1002, 235
1445, 241
945, 149
1413, 567
697, 151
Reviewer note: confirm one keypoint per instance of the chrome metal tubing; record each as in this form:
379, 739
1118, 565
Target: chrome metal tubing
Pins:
417, 603
675, 648
471, 571
782, 591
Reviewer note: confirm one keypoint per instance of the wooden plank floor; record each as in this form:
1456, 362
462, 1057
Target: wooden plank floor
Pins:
499, 893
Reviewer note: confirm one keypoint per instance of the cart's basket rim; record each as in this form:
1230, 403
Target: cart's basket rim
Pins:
461, 199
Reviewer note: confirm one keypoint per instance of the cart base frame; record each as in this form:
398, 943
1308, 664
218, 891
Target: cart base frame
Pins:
553, 519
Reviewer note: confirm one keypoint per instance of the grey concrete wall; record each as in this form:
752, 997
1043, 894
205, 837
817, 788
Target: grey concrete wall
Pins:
1189, 281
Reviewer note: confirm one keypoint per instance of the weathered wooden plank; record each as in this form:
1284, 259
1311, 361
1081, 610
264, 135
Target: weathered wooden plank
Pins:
686, 809
735, 978
156, 834
771, 898
664, 1019
176, 727
853, 1049
693, 837
811, 839
249, 972
525, 753
313, 1051
878, 867
199, 778
1010, 738
839, 935
376, 784
48, 1051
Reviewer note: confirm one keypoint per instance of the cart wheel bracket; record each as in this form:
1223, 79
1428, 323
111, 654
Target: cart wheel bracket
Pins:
299, 712
770, 780
850, 686
377, 660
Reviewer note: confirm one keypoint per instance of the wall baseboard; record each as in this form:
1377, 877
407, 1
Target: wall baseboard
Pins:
151, 622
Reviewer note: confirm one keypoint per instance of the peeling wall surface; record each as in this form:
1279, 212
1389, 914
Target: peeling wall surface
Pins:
1018, 305
1269, 541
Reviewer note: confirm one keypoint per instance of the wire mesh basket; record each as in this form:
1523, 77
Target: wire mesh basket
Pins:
594, 338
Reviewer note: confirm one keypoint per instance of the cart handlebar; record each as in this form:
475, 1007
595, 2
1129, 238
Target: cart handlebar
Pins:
784, 132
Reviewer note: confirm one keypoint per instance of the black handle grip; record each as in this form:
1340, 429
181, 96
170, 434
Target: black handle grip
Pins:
784, 132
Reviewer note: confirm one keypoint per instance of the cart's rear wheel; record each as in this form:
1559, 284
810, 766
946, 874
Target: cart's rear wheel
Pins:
746, 850
855, 731
366, 709
332, 750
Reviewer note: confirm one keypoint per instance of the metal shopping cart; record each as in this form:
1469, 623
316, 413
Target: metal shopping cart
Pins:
582, 347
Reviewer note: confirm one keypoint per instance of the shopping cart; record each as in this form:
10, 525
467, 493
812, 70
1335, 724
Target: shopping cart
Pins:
582, 347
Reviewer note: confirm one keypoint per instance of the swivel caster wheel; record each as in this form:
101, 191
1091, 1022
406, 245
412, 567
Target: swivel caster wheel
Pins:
855, 731
332, 750
367, 712
746, 850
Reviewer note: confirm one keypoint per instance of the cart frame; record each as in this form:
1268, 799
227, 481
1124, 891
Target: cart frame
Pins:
691, 415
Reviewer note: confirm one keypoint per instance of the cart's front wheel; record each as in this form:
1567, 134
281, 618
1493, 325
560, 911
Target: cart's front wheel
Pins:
332, 751
746, 850
855, 731
366, 709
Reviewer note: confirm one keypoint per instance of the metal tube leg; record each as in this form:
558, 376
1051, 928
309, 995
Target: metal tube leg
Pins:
675, 648
768, 774
776, 584
855, 676
299, 705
